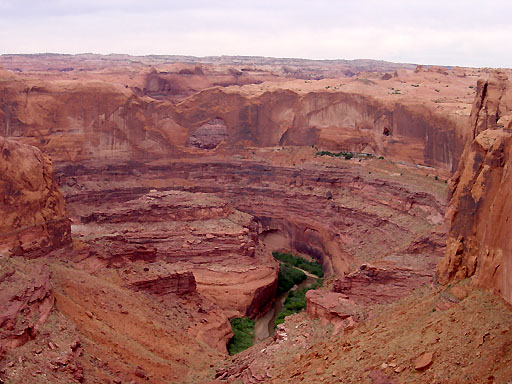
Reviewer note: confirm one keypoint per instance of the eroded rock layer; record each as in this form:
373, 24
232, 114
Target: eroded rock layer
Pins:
328, 212
184, 240
220, 219
336, 120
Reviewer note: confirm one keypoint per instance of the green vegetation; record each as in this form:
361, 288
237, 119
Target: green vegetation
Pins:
331, 154
287, 278
243, 331
296, 301
313, 267
346, 155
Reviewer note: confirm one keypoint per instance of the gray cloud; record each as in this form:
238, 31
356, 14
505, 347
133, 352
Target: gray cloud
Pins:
455, 32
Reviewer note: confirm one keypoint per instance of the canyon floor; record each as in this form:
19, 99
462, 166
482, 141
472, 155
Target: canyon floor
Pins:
171, 182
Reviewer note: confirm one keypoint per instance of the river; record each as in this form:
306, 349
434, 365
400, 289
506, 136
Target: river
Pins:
264, 325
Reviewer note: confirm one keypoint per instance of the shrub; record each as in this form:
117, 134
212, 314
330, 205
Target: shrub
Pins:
312, 267
287, 278
243, 335
347, 155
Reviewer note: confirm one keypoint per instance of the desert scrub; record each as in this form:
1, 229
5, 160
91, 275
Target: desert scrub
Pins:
288, 277
346, 155
296, 301
312, 267
243, 335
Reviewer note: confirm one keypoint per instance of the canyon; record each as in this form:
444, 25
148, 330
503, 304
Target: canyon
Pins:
173, 179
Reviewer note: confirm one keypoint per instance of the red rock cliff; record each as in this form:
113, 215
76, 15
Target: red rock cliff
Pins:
480, 239
334, 120
32, 208
74, 121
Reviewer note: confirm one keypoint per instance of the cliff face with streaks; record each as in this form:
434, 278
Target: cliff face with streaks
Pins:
334, 120
479, 244
91, 118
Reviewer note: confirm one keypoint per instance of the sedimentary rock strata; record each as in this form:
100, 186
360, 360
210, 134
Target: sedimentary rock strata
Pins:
194, 238
178, 283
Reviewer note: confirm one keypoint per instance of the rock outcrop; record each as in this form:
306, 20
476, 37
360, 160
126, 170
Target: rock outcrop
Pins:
332, 307
178, 283
371, 285
26, 301
479, 245
353, 295
33, 210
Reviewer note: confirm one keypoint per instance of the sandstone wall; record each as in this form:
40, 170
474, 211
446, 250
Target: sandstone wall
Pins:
480, 238
82, 120
330, 120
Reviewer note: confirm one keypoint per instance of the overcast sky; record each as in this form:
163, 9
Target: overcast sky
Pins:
447, 32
